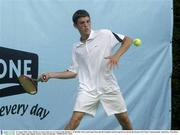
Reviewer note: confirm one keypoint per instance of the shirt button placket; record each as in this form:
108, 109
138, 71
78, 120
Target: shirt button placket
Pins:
89, 69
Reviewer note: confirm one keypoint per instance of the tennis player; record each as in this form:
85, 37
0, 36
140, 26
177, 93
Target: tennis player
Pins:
93, 62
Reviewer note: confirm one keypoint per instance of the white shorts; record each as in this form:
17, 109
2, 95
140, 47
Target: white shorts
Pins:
112, 103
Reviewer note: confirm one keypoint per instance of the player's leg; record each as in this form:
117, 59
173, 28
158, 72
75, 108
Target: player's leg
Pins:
75, 120
114, 103
85, 104
124, 121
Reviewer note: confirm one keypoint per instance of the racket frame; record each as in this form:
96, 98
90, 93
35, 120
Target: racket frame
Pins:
32, 80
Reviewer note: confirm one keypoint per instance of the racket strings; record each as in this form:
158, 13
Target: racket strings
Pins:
28, 84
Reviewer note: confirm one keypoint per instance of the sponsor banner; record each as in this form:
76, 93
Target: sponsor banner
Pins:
14, 63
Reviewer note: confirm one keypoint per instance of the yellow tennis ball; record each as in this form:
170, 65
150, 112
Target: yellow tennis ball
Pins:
137, 42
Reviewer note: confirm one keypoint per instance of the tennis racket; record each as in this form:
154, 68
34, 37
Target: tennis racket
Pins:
29, 84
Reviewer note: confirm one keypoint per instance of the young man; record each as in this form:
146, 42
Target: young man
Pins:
93, 62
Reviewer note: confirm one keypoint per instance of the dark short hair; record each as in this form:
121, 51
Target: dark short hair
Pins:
78, 14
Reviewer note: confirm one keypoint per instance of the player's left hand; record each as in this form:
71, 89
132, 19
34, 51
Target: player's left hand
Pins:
113, 61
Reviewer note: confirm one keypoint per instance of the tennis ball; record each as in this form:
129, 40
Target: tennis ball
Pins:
137, 42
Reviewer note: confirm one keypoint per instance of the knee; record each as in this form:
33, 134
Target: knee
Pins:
122, 117
124, 121
75, 121
73, 124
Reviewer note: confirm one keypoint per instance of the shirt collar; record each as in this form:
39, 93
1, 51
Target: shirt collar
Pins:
91, 37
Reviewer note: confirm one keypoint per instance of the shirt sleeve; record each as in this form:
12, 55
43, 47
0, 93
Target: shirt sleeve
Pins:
74, 65
116, 38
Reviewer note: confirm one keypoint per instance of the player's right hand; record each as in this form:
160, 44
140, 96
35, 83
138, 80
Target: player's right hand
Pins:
44, 77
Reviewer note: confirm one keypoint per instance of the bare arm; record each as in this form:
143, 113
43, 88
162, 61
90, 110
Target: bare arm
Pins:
58, 75
126, 43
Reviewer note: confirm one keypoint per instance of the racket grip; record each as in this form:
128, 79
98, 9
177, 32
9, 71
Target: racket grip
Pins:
44, 77
40, 78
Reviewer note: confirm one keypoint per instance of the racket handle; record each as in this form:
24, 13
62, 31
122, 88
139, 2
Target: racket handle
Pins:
39, 79
44, 77
36, 80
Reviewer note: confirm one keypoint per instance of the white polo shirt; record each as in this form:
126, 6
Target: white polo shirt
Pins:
90, 64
